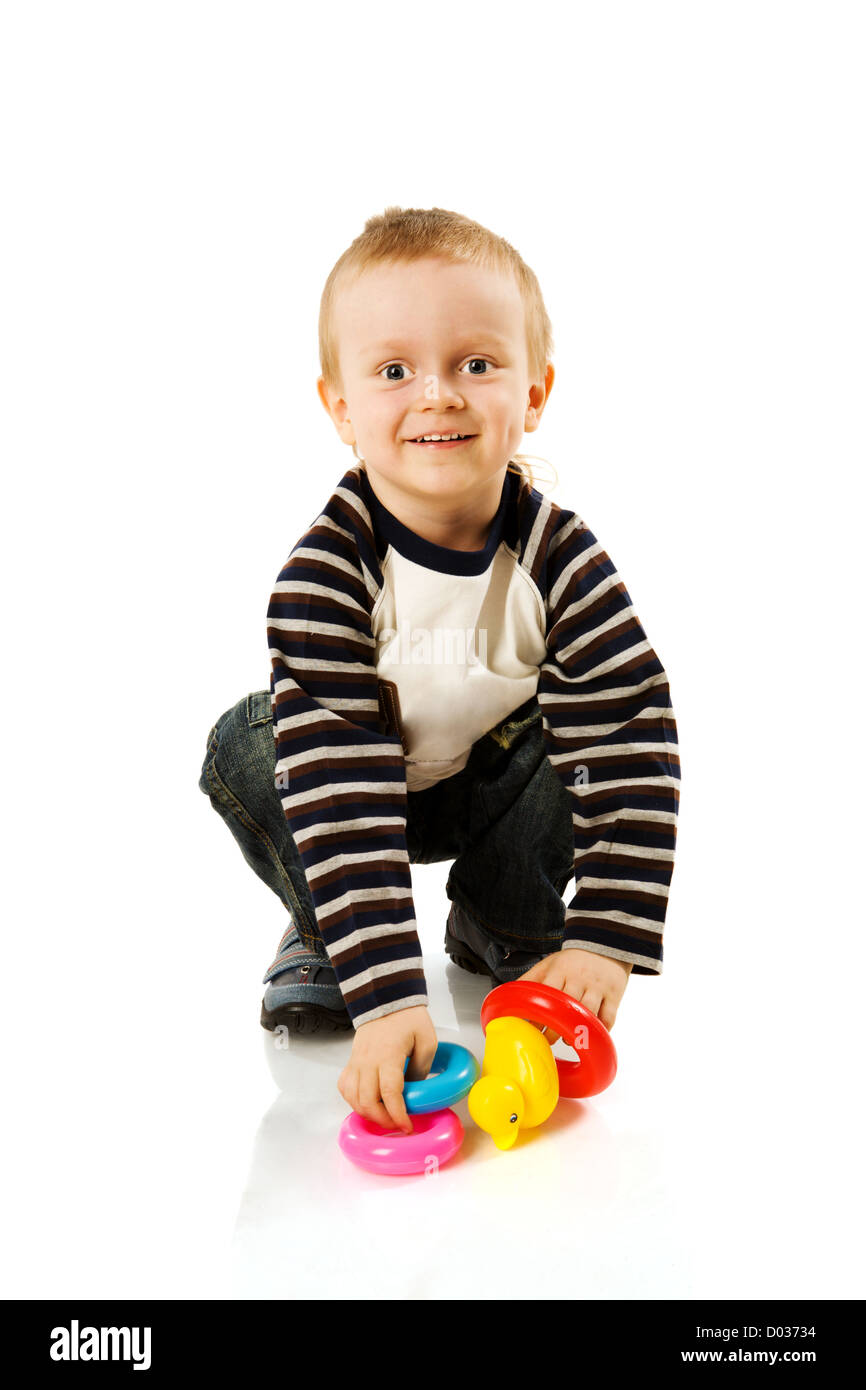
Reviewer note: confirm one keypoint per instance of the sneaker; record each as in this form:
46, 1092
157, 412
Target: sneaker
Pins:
302, 991
459, 952
465, 942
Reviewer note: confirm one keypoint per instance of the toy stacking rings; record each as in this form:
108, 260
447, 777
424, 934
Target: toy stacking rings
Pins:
434, 1137
436, 1131
457, 1073
552, 1008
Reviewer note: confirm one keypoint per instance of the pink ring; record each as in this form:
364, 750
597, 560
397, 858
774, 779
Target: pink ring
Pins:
434, 1139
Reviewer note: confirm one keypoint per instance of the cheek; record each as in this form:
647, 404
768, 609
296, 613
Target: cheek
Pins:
386, 412
374, 415
502, 408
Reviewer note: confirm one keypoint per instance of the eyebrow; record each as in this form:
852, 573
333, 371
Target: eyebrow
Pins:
394, 344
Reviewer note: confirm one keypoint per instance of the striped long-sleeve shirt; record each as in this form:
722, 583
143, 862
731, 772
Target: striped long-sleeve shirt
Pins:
391, 656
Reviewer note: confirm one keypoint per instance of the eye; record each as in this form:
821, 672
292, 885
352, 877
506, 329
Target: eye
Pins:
393, 367
478, 365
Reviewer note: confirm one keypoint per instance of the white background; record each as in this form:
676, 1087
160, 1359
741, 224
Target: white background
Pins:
178, 179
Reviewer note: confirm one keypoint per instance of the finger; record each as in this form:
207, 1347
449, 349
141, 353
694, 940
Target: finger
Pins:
347, 1085
391, 1091
369, 1103
574, 988
420, 1062
553, 973
592, 999
378, 1114
607, 1014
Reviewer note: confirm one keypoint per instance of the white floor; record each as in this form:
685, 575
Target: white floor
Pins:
701, 1172
167, 1148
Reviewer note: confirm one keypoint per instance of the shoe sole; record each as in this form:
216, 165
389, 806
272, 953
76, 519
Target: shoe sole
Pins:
305, 1018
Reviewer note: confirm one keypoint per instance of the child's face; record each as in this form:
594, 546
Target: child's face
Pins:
434, 347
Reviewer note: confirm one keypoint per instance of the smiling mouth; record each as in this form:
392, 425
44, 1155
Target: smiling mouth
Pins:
453, 438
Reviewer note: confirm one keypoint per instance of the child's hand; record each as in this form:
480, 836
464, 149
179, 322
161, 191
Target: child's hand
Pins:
372, 1081
597, 982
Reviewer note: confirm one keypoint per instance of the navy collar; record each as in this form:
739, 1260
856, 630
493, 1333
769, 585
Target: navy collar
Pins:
424, 552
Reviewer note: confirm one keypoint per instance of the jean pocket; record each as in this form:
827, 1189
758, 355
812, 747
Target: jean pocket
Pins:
259, 708
506, 733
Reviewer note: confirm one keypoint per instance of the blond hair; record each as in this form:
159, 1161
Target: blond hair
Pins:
408, 234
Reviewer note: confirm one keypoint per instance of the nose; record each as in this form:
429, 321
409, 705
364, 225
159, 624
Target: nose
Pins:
439, 393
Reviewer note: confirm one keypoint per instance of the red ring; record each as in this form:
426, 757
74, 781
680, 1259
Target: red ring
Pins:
553, 1008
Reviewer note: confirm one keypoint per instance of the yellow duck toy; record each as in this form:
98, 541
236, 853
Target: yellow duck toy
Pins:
519, 1084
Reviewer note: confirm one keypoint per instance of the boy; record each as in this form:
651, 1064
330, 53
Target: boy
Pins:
456, 673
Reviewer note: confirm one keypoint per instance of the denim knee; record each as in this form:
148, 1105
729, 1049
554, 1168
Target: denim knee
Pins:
511, 877
238, 778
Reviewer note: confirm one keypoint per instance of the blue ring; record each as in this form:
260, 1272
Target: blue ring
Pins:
458, 1072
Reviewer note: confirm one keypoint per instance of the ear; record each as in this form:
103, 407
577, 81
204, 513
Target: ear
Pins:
338, 410
538, 394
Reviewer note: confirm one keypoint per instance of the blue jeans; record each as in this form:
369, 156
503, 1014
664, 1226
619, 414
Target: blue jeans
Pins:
504, 820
